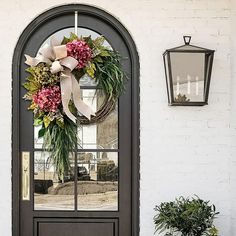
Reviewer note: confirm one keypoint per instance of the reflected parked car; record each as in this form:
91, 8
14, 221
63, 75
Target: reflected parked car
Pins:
82, 174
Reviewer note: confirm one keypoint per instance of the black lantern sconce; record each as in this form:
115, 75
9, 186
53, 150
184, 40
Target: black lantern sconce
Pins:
188, 73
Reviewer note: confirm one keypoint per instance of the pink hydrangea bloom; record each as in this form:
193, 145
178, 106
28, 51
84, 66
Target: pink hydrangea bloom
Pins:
48, 99
80, 51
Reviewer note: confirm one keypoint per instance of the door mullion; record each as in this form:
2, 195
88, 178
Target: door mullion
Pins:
76, 179
76, 169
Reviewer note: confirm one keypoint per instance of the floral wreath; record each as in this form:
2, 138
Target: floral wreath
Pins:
53, 89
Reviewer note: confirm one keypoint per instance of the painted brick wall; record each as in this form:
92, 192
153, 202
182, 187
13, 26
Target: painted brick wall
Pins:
233, 122
184, 150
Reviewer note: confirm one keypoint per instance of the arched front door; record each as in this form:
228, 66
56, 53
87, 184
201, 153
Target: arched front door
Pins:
100, 197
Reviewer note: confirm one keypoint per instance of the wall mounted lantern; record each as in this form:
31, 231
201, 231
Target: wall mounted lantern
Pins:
188, 73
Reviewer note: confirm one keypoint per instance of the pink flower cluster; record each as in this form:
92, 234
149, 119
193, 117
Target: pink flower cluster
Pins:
80, 51
48, 99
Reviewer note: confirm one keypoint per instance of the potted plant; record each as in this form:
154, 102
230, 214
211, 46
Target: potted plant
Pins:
186, 217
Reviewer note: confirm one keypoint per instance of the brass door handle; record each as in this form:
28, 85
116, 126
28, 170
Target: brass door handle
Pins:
25, 176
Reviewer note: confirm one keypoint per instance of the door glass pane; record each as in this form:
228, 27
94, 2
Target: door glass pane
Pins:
38, 142
103, 135
97, 171
84, 32
51, 193
97, 181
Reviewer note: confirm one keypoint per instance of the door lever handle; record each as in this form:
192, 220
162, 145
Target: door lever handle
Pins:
25, 176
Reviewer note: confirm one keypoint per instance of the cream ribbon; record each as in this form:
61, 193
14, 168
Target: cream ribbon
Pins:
56, 55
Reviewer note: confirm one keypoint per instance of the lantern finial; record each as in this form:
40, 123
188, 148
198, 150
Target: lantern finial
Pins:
187, 39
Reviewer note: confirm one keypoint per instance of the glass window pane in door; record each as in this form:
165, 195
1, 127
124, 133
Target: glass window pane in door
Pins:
98, 181
50, 192
38, 142
102, 135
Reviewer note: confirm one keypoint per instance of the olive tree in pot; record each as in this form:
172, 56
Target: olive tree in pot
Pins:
186, 217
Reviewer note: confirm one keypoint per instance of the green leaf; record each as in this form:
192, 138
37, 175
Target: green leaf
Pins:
31, 85
98, 59
70, 39
90, 70
46, 121
89, 41
99, 41
73, 36
38, 122
65, 40
60, 123
104, 53
32, 106
41, 132
30, 70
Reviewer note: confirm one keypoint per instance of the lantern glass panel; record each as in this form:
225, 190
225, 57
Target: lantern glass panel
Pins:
188, 76
167, 76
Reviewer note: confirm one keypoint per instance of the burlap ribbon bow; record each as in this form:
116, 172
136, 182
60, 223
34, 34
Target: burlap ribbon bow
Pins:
56, 55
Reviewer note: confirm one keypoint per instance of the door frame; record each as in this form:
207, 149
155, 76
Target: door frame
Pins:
17, 56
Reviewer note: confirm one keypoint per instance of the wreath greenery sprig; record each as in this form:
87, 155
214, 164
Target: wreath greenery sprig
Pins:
43, 87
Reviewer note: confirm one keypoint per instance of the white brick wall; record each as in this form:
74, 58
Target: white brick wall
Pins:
233, 122
184, 150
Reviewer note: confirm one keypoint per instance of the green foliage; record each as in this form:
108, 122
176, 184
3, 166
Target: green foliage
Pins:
69, 39
190, 217
58, 131
212, 231
105, 66
110, 76
41, 75
90, 69
31, 84
61, 142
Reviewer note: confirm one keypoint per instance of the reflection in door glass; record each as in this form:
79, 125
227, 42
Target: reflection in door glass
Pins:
38, 142
103, 135
51, 193
97, 181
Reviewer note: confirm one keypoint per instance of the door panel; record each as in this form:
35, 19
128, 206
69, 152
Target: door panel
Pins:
74, 229
71, 227
98, 192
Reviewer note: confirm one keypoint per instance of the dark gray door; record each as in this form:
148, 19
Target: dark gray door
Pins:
100, 196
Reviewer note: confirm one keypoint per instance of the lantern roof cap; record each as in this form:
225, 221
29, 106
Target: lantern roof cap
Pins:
187, 47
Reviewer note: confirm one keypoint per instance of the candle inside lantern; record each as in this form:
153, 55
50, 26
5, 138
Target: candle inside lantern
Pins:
177, 86
189, 88
197, 85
